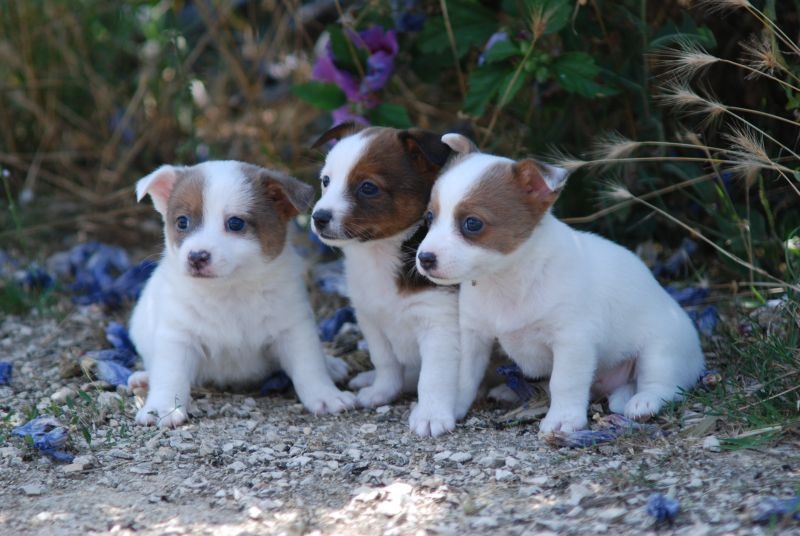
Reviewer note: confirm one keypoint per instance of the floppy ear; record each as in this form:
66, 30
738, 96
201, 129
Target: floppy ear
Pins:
425, 148
459, 143
289, 195
337, 133
159, 186
542, 182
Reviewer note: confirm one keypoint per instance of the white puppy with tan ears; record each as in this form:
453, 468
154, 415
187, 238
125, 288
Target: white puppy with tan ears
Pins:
562, 303
227, 304
375, 187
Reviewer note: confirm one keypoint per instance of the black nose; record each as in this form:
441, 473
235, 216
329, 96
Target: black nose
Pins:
427, 259
321, 218
199, 259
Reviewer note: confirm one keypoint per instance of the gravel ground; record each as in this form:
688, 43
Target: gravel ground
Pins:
249, 464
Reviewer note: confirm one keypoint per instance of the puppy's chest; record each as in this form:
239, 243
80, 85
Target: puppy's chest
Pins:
372, 279
245, 323
503, 310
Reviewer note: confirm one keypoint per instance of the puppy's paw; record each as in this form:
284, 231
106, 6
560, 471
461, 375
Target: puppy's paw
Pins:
562, 422
620, 398
330, 401
163, 418
139, 381
643, 404
428, 421
362, 379
503, 393
337, 368
376, 395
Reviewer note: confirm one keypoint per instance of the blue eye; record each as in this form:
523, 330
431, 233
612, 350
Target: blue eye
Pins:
471, 225
428, 217
234, 224
368, 189
182, 223
325, 181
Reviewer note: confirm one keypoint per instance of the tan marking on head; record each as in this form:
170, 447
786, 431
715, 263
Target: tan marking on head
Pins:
186, 199
403, 164
277, 198
510, 200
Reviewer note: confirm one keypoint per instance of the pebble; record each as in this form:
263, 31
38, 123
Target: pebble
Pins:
368, 428
461, 457
61, 396
503, 475
711, 443
611, 514
32, 490
441, 456
237, 466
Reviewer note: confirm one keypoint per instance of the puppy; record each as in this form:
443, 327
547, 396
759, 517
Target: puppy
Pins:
375, 187
562, 303
227, 304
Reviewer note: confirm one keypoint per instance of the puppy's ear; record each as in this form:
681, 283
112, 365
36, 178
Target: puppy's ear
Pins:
288, 195
541, 182
459, 143
425, 149
337, 133
158, 185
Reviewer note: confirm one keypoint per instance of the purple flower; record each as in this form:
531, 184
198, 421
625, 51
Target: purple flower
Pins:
515, 381
329, 327
114, 365
5, 372
705, 320
325, 70
407, 17
276, 383
662, 507
48, 436
345, 114
773, 510
609, 428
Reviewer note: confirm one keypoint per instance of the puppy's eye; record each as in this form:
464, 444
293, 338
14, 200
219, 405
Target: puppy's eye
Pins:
368, 189
182, 223
325, 181
471, 225
428, 217
234, 224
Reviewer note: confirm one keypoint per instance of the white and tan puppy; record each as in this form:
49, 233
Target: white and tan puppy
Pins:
376, 184
227, 304
562, 303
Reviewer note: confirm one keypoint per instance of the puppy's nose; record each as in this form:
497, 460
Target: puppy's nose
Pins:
199, 259
321, 218
427, 260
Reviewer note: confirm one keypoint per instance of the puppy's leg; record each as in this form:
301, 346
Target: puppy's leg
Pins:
388, 380
573, 371
476, 349
139, 380
619, 398
171, 373
337, 368
362, 379
300, 354
438, 382
658, 377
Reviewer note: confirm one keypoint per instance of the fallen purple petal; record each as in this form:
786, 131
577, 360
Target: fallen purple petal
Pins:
47, 435
34, 277
705, 320
276, 383
329, 327
772, 510
663, 508
687, 295
610, 427
6, 369
515, 381
329, 277
118, 336
680, 258
110, 370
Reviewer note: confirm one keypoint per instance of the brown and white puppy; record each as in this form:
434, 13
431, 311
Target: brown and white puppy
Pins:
375, 186
227, 304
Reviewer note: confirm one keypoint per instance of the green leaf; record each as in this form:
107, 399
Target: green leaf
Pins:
472, 25
552, 14
510, 93
502, 50
484, 83
390, 115
575, 71
320, 94
344, 50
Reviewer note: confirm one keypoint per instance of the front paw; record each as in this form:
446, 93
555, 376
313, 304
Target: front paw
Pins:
376, 395
562, 421
139, 382
167, 417
430, 421
337, 368
362, 379
330, 401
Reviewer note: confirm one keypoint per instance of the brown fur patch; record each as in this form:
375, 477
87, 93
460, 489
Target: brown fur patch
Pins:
509, 204
408, 278
186, 199
278, 198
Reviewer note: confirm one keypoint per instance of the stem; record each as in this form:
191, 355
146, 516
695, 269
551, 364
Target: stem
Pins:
462, 86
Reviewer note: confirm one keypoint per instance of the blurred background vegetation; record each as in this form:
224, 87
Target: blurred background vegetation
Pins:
678, 118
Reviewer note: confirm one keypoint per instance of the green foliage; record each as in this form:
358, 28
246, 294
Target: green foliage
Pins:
322, 95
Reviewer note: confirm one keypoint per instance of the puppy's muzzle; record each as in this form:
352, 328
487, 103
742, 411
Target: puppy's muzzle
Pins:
321, 218
199, 260
427, 260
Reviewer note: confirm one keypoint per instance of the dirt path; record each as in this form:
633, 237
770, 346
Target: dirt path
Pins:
262, 465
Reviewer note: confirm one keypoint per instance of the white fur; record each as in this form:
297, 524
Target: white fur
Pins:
566, 304
413, 337
253, 318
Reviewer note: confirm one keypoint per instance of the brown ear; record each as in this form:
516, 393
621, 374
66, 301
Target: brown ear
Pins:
541, 182
289, 195
425, 148
337, 133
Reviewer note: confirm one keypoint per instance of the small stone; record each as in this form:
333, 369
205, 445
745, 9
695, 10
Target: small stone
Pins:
237, 466
254, 512
611, 514
368, 428
108, 400
441, 456
711, 443
461, 457
511, 462
502, 475
61, 396
380, 410
491, 461
32, 490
